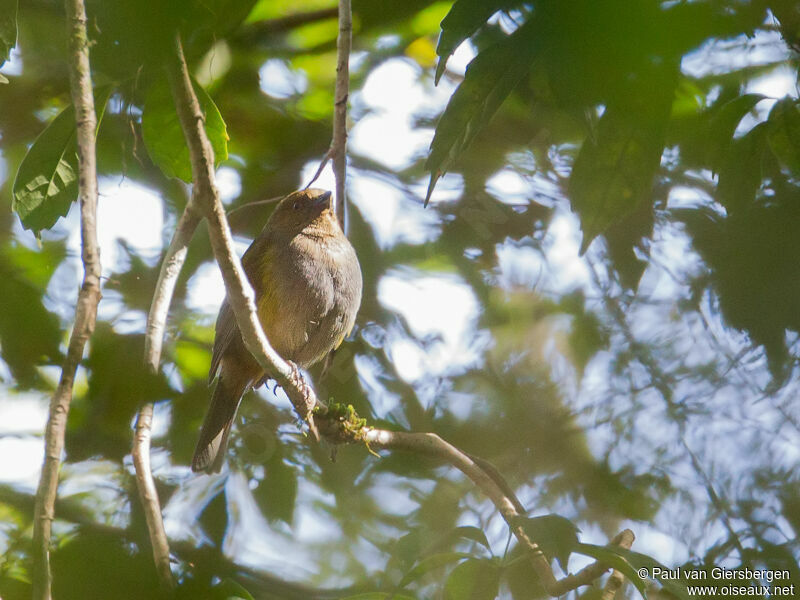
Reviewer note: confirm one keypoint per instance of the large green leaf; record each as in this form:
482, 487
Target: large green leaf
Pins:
47, 179
464, 19
163, 136
474, 579
490, 78
25, 274
740, 170
8, 28
431, 563
784, 132
555, 535
613, 173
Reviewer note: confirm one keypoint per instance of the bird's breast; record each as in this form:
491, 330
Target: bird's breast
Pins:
310, 296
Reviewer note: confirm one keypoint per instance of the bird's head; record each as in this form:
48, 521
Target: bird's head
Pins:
308, 211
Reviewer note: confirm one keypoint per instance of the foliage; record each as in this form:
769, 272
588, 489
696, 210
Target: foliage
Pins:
644, 377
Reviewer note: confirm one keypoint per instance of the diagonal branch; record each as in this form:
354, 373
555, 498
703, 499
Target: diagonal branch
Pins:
205, 197
88, 297
432, 445
153, 341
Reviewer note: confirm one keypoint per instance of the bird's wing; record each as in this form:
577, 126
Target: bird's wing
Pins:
226, 331
226, 328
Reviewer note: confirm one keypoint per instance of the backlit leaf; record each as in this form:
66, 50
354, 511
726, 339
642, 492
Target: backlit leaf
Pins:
163, 136
47, 179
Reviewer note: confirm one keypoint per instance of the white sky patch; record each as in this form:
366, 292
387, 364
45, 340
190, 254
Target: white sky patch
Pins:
509, 186
687, 197
127, 212
394, 94
434, 307
519, 265
13, 66
566, 270
205, 289
277, 80
21, 460
229, 184
393, 216
22, 414
326, 179
457, 63
716, 57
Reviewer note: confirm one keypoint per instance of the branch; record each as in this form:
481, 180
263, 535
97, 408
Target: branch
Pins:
432, 445
153, 341
88, 297
339, 140
205, 197
616, 579
269, 27
338, 148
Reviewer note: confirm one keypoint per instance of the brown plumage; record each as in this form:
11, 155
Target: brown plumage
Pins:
307, 282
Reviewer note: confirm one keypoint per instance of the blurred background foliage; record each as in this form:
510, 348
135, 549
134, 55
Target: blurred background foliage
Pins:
602, 297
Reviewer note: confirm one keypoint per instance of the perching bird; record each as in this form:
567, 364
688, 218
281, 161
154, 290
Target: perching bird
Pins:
307, 282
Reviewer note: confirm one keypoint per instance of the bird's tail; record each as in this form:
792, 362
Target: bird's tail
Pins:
210, 451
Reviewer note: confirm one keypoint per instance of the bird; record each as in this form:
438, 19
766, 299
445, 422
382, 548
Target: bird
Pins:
307, 283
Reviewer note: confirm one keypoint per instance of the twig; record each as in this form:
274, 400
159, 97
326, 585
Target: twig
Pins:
281, 24
338, 148
88, 297
206, 198
342, 91
616, 579
431, 444
153, 341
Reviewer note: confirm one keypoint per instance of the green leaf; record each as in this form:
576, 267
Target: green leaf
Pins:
724, 122
629, 563
556, 536
740, 171
490, 78
431, 563
228, 589
614, 171
612, 557
8, 30
784, 133
47, 179
464, 19
475, 534
474, 579
163, 136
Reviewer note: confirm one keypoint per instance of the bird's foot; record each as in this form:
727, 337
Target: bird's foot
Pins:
296, 377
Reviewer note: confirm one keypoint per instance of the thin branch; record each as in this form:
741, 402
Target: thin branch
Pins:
88, 297
153, 341
269, 27
432, 445
616, 579
338, 148
339, 141
206, 198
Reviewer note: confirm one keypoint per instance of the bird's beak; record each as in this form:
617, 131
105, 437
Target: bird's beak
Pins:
323, 200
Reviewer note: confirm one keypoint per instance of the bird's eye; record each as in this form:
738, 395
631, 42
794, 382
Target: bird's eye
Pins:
296, 206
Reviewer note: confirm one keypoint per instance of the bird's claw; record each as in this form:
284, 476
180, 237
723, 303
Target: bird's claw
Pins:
296, 377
